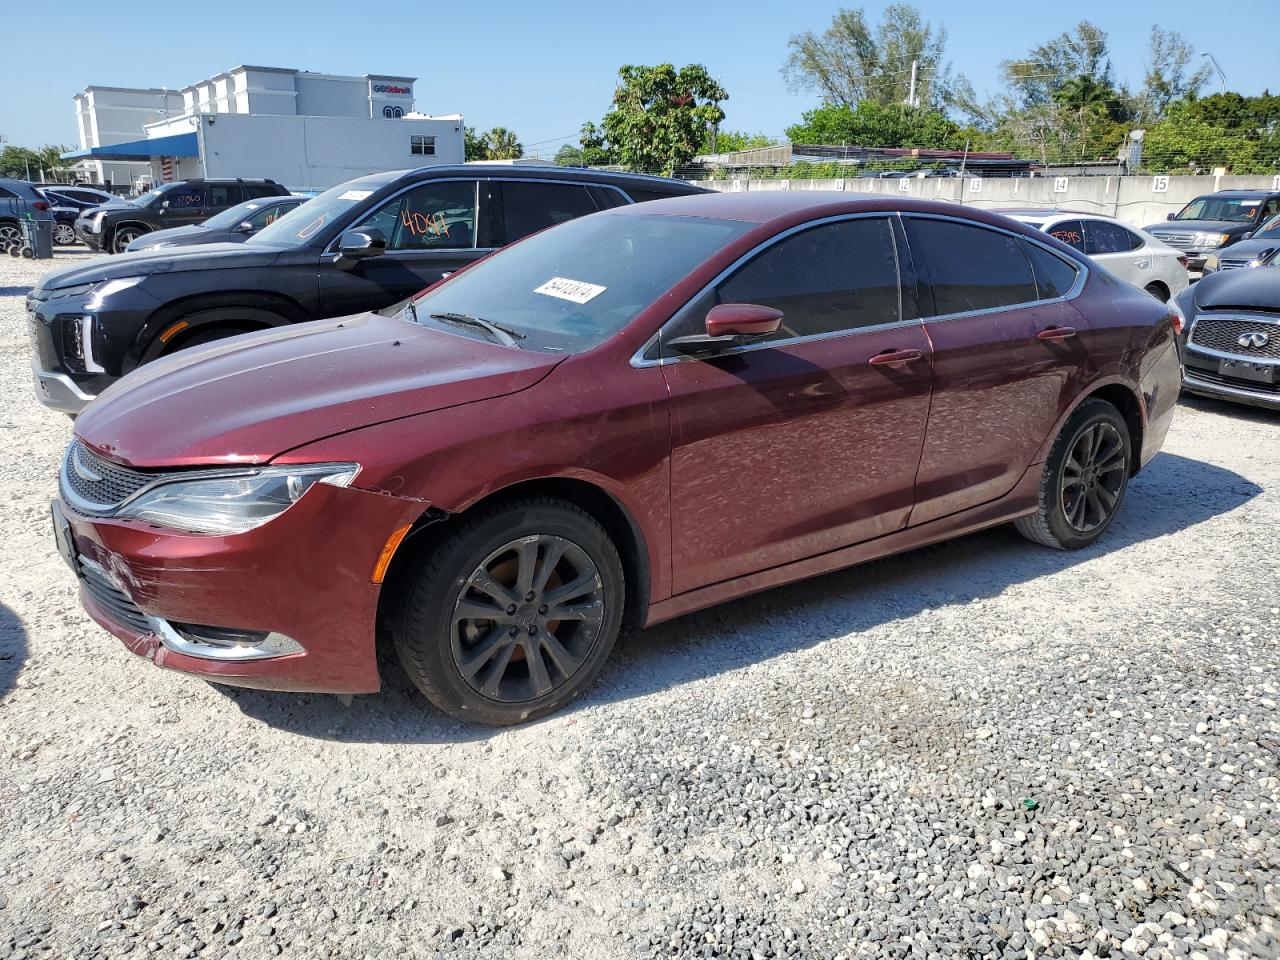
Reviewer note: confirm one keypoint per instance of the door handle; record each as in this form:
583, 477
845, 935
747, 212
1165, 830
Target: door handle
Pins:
894, 358
1056, 333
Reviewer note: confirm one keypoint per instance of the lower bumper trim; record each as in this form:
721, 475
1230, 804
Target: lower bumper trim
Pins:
1194, 384
57, 391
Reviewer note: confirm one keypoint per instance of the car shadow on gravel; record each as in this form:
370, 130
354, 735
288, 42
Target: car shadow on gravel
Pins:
13, 649
1226, 408
1171, 494
15, 291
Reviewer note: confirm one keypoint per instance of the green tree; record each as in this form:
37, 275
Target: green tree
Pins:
569, 156
473, 146
502, 144
877, 125
661, 115
850, 63
21, 163
727, 141
1081, 53
595, 149
1169, 77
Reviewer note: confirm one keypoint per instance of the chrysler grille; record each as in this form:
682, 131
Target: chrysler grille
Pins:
114, 485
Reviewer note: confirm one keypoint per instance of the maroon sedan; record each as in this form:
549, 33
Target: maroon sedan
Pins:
614, 422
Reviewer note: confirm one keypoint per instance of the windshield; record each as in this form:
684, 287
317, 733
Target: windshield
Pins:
1235, 209
1269, 230
573, 286
233, 215
146, 199
300, 225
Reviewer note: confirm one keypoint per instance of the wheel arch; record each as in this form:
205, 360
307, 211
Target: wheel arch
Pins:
108, 237
1168, 291
1124, 397
146, 342
601, 505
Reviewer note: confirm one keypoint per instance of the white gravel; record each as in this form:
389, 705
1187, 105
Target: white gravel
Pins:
980, 749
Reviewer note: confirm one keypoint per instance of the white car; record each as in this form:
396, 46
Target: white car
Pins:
1128, 252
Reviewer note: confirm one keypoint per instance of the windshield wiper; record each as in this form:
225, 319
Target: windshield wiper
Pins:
504, 335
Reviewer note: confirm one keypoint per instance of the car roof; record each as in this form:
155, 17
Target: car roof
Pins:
536, 172
1251, 194
781, 208
1047, 212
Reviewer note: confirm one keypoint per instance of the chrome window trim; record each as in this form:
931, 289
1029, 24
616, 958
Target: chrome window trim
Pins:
638, 359
1222, 354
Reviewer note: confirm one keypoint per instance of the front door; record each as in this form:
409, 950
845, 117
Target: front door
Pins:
430, 230
181, 206
804, 443
1006, 348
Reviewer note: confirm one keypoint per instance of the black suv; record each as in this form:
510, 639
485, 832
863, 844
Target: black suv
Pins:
113, 226
364, 245
1215, 220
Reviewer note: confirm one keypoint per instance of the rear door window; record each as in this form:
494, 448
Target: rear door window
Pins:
1070, 232
969, 267
223, 195
257, 190
1102, 237
1055, 276
529, 206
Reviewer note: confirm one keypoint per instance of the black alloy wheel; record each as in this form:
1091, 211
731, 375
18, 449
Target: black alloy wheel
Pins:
1084, 479
509, 612
1093, 477
526, 618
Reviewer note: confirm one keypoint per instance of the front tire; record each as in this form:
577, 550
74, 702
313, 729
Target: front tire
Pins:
64, 235
1084, 481
513, 613
124, 236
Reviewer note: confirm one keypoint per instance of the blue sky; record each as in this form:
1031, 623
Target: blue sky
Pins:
542, 68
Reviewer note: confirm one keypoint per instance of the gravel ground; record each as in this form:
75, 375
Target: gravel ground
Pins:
981, 749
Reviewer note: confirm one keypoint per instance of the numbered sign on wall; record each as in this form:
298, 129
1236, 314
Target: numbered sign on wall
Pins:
1060, 184
975, 185
1159, 184
904, 185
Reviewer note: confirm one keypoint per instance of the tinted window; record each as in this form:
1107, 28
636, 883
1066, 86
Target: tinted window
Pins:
1070, 232
86, 196
269, 214
1054, 275
183, 198
530, 207
8, 194
1269, 230
224, 195
640, 196
970, 267
577, 284
1239, 209
838, 276
607, 197
436, 215
1102, 237
256, 190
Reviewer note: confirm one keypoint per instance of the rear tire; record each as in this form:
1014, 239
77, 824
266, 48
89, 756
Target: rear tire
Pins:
1084, 481
476, 628
1158, 291
64, 235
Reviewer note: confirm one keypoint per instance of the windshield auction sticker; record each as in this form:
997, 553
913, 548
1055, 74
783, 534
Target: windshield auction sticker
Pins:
356, 194
577, 291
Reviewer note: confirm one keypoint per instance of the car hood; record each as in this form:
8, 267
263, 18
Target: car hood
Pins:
173, 233
1248, 249
1197, 226
1251, 289
251, 398
209, 256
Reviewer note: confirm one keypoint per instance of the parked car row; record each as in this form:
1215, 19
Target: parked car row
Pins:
630, 411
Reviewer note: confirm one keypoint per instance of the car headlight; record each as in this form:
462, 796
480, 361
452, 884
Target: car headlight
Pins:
232, 501
79, 290
1211, 239
107, 289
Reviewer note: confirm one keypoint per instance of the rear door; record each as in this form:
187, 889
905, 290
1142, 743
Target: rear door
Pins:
220, 196
999, 387
431, 229
803, 443
1118, 250
522, 207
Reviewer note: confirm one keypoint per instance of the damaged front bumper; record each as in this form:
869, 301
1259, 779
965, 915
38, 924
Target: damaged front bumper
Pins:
290, 605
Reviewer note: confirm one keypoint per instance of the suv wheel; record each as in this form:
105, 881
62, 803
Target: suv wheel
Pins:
124, 236
1084, 480
10, 235
513, 613
64, 235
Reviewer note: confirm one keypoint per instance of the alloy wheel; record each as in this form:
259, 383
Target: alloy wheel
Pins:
9, 236
527, 618
1093, 476
125, 236
63, 234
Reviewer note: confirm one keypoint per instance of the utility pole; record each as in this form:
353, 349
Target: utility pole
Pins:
911, 93
1221, 76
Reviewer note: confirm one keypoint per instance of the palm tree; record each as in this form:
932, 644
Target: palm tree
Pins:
501, 144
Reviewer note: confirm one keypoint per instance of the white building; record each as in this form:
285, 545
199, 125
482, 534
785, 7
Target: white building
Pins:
307, 131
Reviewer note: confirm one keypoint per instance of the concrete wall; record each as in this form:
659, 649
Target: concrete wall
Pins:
315, 153
1135, 200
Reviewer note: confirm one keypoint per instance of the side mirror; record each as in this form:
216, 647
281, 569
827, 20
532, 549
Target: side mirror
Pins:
1246, 236
1170, 216
243, 227
361, 244
728, 325
164, 204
